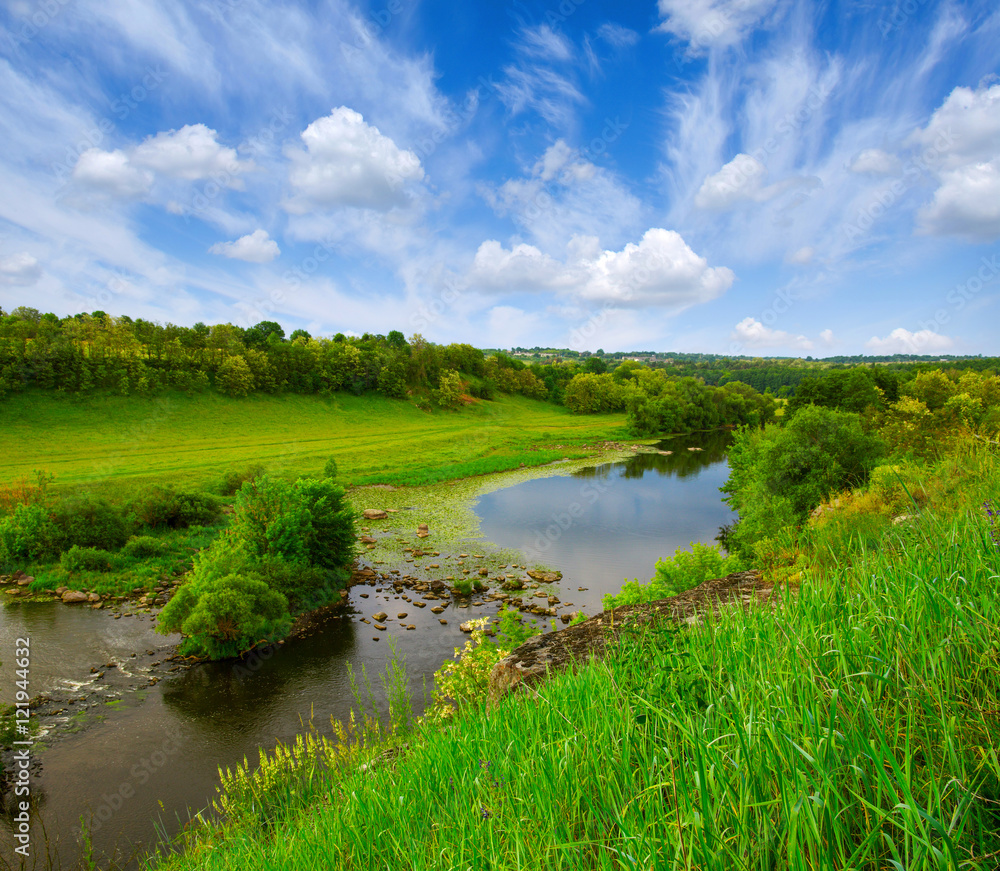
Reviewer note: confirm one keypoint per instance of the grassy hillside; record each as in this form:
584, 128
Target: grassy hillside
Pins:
853, 727
192, 440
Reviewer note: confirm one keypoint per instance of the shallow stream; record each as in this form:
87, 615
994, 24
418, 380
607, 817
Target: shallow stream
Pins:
137, 745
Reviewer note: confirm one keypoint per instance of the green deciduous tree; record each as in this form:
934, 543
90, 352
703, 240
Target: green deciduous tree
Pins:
235, 377
779, 474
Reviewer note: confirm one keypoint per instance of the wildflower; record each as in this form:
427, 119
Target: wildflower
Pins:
992, 517
486, 813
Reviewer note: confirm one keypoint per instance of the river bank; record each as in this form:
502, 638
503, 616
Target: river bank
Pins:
782, 734
224, 711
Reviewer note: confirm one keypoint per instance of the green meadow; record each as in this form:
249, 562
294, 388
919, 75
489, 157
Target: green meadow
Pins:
193, 440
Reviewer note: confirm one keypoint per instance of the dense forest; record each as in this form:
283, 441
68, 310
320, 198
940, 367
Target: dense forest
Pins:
660, 394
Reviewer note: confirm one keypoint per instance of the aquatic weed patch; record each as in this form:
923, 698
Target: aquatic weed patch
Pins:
448, 509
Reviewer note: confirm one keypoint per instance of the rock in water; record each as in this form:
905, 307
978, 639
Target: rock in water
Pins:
375, 514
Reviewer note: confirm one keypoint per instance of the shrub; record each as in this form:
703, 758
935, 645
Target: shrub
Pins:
161, 506
484, 390
22, 491
686, 569
779, 474
466, 680
26, 534
226, 616
287, 549
449, 392
307, 522
86, 559
91, 521
331, 541
236, 478
144, 546
513, 631
268, 521
330, 469
235, 377
588, 393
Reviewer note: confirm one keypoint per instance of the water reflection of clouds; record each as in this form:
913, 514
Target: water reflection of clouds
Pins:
612, 521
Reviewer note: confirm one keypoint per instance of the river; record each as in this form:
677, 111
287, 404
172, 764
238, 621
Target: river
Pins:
137, 748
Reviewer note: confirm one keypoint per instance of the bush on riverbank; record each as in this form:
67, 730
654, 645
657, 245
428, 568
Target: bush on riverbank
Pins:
287, 551
682, 571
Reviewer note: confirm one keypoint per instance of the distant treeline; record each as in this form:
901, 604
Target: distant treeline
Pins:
98, 352
95, 351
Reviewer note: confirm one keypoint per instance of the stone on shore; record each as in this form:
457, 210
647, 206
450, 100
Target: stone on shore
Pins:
71, 597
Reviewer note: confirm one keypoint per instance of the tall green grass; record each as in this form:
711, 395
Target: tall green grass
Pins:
855, 726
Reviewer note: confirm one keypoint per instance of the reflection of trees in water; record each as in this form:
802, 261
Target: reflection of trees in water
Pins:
235, 694
602, 471
681, 462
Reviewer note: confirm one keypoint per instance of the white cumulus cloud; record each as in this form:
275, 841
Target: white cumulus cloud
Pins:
21, 270
661, 271
256, 247
966, 204
110, 173
348, 162
901, 341
965, 128
962, 139
191, 153
753, 333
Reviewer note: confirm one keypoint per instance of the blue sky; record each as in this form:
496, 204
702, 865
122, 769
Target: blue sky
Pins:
729, 176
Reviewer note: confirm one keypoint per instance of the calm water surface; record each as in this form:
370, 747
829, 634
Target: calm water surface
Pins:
147, 757
610, 523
